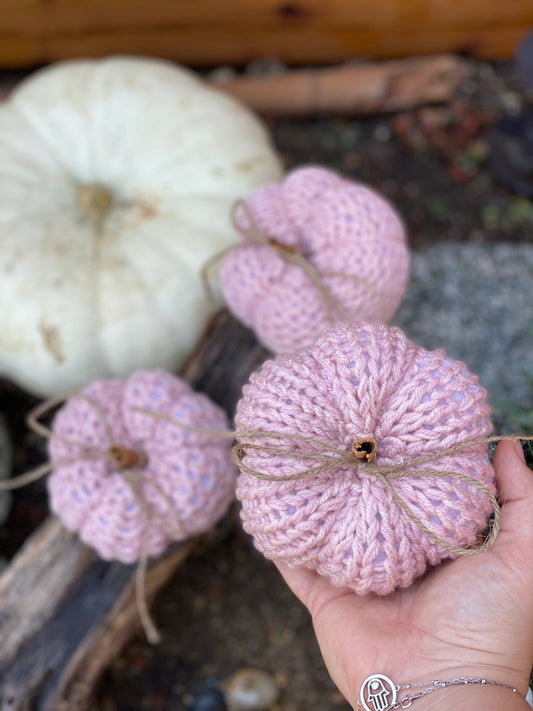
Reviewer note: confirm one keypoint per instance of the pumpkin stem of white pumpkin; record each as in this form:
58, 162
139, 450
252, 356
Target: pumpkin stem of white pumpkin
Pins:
95, 200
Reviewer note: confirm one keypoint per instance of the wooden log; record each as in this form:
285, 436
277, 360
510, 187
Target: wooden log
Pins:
207, 32
354, 89
64, 613
35, 17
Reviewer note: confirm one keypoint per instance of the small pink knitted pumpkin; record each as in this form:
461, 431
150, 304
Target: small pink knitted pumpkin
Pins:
340, 227
186, 479
364, 381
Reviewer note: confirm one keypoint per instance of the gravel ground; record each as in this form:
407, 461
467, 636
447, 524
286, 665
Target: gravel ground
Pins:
475, 301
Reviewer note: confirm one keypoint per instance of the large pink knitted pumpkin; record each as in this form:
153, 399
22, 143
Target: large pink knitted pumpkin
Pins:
186, 479
364, 381
341, 227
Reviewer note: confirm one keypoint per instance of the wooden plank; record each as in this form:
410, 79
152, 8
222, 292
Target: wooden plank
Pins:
207, 32
64, 614
229, 45
36, 17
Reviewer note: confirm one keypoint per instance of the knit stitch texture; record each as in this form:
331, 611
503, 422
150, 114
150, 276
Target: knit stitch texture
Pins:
195, 471
361, 381
341, 227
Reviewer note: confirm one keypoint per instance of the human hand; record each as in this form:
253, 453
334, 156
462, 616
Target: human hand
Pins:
471, 617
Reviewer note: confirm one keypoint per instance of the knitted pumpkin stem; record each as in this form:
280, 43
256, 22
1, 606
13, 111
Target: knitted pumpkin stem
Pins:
124, 458
365, 449
281, 246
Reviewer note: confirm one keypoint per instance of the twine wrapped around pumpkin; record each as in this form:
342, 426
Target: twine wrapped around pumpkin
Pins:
331, 459
316, 249
374, 526
292, 255
362, 452
326, 459
125, 482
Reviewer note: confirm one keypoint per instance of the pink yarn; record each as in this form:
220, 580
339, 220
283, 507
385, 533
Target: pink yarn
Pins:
341, 226
362, 381
194, 470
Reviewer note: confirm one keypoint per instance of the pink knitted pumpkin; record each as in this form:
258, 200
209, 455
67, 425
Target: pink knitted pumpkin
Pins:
340, 227
365, 382
186, 479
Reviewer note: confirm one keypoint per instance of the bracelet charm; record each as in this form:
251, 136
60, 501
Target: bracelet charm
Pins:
380, 693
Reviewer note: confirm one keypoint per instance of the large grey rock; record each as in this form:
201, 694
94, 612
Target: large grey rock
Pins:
476, 302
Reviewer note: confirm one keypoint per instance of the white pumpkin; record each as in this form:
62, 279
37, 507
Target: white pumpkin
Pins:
117, 177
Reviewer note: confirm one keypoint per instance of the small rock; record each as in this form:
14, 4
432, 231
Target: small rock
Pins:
222, 75
265, 66
5, 471
251, 690
208, 700
382, 133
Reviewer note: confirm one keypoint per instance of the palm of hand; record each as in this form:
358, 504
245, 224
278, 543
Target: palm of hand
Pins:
468, 617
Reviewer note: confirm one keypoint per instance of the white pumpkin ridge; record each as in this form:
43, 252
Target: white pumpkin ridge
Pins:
117, 178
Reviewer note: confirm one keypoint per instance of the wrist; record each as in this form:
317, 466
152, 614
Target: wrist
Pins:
473, 697
447, 689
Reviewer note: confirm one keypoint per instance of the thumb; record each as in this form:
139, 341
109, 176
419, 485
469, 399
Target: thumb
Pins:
515, 486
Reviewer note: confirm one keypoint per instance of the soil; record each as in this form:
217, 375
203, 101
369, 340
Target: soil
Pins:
227, 607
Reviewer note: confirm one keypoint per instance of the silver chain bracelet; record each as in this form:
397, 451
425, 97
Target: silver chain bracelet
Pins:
379, 693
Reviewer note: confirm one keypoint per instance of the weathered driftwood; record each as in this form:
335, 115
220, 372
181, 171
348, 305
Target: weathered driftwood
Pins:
355, 89
64, 614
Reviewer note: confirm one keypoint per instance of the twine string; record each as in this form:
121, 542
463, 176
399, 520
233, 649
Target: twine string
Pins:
294, 255
32, 421
330, 458
134, 478
323, 458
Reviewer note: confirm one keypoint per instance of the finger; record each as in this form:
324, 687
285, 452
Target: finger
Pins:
513, 478
515, 485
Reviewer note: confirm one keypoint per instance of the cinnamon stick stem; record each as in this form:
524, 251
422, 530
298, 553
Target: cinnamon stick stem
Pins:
351, 89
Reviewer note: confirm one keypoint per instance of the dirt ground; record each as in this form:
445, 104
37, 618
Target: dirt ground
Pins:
227, 607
